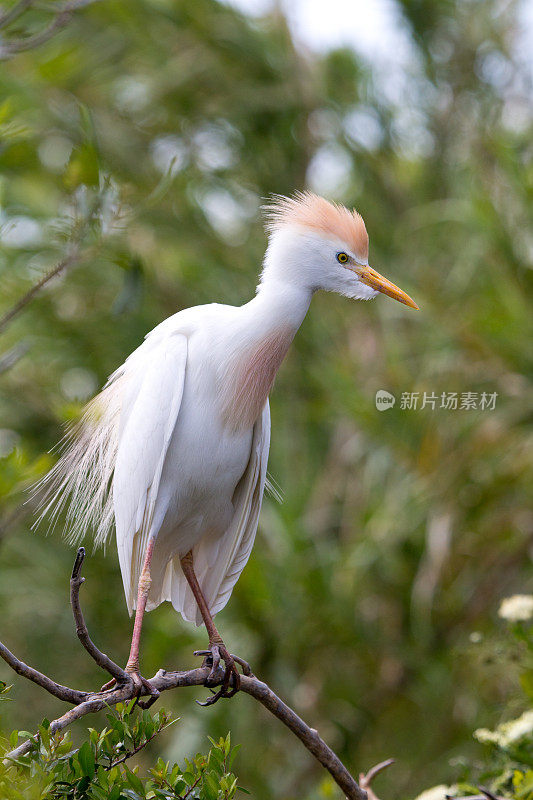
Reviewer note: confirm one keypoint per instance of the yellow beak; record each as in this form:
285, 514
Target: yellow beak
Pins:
376, 281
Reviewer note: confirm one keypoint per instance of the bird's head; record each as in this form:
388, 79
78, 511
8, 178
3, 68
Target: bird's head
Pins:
322, 245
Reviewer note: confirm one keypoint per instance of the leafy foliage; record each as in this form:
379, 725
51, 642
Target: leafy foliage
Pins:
507, 766
98, 770
511, 743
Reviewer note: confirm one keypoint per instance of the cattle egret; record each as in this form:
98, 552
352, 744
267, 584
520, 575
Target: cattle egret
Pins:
174, 449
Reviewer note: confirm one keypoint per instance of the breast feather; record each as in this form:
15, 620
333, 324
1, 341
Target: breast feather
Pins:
247, 382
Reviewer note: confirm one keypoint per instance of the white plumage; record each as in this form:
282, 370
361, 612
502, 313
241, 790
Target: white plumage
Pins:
179, 474
157, 454
174, 450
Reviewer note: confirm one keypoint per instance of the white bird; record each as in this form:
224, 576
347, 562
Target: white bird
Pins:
174, 450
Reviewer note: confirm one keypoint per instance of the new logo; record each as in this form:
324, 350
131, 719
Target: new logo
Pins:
384, 400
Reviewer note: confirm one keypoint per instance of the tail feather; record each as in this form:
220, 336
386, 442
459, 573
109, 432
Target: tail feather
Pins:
81, 479
170, 584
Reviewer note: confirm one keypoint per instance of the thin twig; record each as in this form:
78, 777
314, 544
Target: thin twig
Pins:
486, 794
309, 737
191, 788
81, 628
97, 701
15, 46
13, 356
14, 13
7, 523
366, 780
133, 752
490, 795
67, 262
466, 797
89, 703
60, 20
63, 692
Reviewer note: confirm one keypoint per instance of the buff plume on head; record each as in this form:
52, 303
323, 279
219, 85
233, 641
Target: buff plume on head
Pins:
317, 245
308, 210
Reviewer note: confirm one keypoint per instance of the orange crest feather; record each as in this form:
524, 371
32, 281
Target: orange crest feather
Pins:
308, 210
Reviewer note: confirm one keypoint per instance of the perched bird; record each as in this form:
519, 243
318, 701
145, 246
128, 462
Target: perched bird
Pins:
174, 450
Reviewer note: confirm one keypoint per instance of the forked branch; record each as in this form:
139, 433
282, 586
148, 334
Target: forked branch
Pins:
63, 265
81, 628
125, 690
61, 18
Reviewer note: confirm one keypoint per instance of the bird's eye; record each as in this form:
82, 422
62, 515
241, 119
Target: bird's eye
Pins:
342, 258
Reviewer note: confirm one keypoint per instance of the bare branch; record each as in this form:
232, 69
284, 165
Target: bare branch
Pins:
490, 795
14, 13
486, 794
309, 737
366, 780
59, 724
67, 262
9, 521
101, 659
63, 692
466, 797
125, 690
60, 20
13, 356
133, 752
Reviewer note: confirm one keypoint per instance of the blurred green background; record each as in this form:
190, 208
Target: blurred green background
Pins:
143, 139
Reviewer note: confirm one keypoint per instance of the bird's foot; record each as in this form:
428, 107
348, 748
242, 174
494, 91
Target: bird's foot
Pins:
231, 681
141, 686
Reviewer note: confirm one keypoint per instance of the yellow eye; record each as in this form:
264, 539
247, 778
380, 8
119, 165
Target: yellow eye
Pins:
342, 258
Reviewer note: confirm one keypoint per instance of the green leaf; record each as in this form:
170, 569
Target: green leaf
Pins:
526, 681
233, 754
4, 690
83, 168
130, 706
211, 786
115, 793
216, 759
86, 759
134, 781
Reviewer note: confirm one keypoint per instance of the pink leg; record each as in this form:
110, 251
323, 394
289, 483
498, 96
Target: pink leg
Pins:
145, 581
217, 649
132, 667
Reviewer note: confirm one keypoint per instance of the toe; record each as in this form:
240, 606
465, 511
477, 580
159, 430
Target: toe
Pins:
231, 681
153, 692
246, 668
216, 655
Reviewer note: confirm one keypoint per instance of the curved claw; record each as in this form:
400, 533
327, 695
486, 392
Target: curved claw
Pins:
246, 668
141, 683
148, 703
216, 654
212, 658
109, 685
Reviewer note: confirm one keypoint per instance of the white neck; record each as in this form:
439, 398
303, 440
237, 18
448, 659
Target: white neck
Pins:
267, 327
278, 305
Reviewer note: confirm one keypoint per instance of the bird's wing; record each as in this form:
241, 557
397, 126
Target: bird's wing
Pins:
219, 562
148, 418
